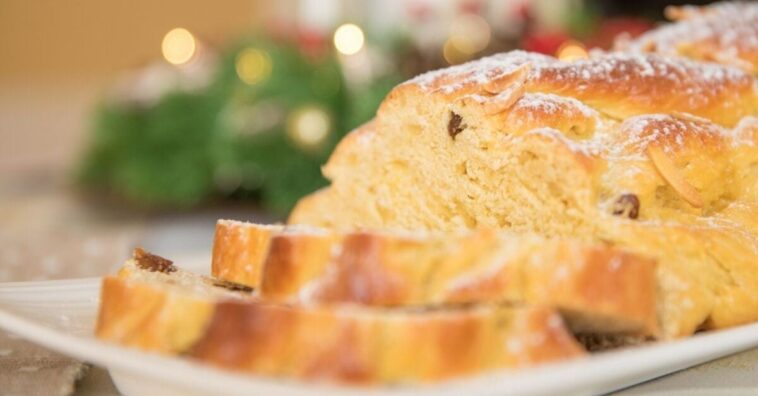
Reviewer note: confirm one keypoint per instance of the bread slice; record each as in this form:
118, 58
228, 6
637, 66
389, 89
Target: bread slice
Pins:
162, 309
599, 289
658, 155
238, 251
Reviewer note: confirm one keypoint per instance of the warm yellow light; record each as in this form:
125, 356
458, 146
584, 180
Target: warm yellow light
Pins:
348, 39
470, 33
571, 51
452, 54
309, 126
253, 65
178, 46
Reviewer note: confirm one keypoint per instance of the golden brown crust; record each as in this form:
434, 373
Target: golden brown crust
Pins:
238, 251
363, 347
292, 260
345, 344
618, 84
604, 118
142, 316
590, 147
384, 269
725, 33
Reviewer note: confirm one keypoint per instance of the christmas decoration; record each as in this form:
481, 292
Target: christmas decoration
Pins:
260, 128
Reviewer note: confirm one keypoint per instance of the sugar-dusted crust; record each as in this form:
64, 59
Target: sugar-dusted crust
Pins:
726, 33
364, 346
346, 344
621, 142
238, 251
601, 288
663, 129
616, 84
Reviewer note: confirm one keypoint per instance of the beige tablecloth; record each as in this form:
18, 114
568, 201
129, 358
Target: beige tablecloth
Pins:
28, 370
48, 233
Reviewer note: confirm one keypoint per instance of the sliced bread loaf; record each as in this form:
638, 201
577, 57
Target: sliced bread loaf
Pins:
158, 308
655, 154
599, 289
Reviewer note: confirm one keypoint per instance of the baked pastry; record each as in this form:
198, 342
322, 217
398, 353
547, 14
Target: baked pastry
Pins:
628, 183
530, 143
599, 289
154, 306
651, 153
725, 32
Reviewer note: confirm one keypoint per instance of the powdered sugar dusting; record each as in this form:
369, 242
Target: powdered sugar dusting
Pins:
480, 71
669, 133
547, 103
731, 29
634, 74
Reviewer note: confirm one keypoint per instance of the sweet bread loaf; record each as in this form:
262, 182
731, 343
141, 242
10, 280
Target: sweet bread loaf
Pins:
572, 144
641, 150
724, 33
485, 204
169, 311
598, 288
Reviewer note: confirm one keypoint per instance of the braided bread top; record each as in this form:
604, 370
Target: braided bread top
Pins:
617, 85
676, 134
724, 33
656, 153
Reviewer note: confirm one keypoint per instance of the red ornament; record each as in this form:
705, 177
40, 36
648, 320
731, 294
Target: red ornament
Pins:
471, 7
544, 42
312, 43
420, 11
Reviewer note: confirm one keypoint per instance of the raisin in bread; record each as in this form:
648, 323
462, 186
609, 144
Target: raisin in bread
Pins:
154, 306
652, 153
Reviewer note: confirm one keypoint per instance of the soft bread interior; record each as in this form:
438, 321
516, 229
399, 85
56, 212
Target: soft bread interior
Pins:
174, 312
604, 149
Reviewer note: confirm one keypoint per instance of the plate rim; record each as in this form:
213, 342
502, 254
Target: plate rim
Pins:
602, 372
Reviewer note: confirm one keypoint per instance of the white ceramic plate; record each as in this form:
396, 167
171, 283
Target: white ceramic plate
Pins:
60, 315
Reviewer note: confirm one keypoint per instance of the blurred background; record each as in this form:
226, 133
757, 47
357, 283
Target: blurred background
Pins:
139, 123
120, 120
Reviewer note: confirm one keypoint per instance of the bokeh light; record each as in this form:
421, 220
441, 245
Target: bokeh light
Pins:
452, 54
309, 126
571, 50
470, 33
178, 46
348, 39
253, 65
